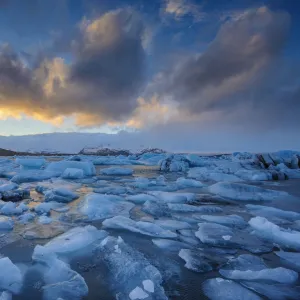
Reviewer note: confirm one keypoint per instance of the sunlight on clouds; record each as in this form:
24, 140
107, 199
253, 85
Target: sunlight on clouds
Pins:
87, 120
107, 81
23, 112
181, 8
102, 31
177, 7
151, 113
147, 114
109, 28
53, 74
7, 113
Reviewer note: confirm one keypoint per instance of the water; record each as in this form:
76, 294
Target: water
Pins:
179, 282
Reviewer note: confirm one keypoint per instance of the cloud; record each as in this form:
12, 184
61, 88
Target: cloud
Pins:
111, 60
220, 78
100, 85
235, 80
152, 113
181, 8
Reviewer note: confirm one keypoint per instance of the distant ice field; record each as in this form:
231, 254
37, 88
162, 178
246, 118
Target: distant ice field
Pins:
150, 226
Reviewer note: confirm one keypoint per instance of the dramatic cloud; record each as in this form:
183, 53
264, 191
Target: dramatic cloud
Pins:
111, 60
104, 79
236, 74
100, 85
240, 49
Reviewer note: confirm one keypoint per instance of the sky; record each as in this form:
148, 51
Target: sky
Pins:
186, 69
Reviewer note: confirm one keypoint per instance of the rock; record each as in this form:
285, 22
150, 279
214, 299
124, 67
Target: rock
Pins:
15, 195
174, 163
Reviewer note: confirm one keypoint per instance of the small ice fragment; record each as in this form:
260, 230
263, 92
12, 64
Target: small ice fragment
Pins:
6, 223
185, 182
289, 239
148, 285
138, 293
218, 288
72, 173
10, 276
245, 192
116, 171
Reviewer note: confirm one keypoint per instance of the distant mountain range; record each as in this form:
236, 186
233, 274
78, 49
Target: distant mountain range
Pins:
175, 141
73, 143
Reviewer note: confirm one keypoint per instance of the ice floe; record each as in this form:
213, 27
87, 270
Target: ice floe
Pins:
99, 206
191, 208
228, 220
292, 258
114, 190
252, 268
62, 195
174, 163
289, 239
8, 187
116, 171
204, 260
130, 273
141, 198
148, 285
145, 228
160, 180
156, 208
40, 231
219, 288
72, 173
170, 245
138, 293
186, 182
245, 192
34, 176
6, 223
170, 197
141, 182
206, 174
272, 213
26, 218
172, 224
45, 207
75, 239
254, 175
11, 279
60, 167
61, 282
222, 236
11, 208
200, 227
31, 163
273, 291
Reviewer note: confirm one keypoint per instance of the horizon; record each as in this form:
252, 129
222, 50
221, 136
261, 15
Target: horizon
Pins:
72, 143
